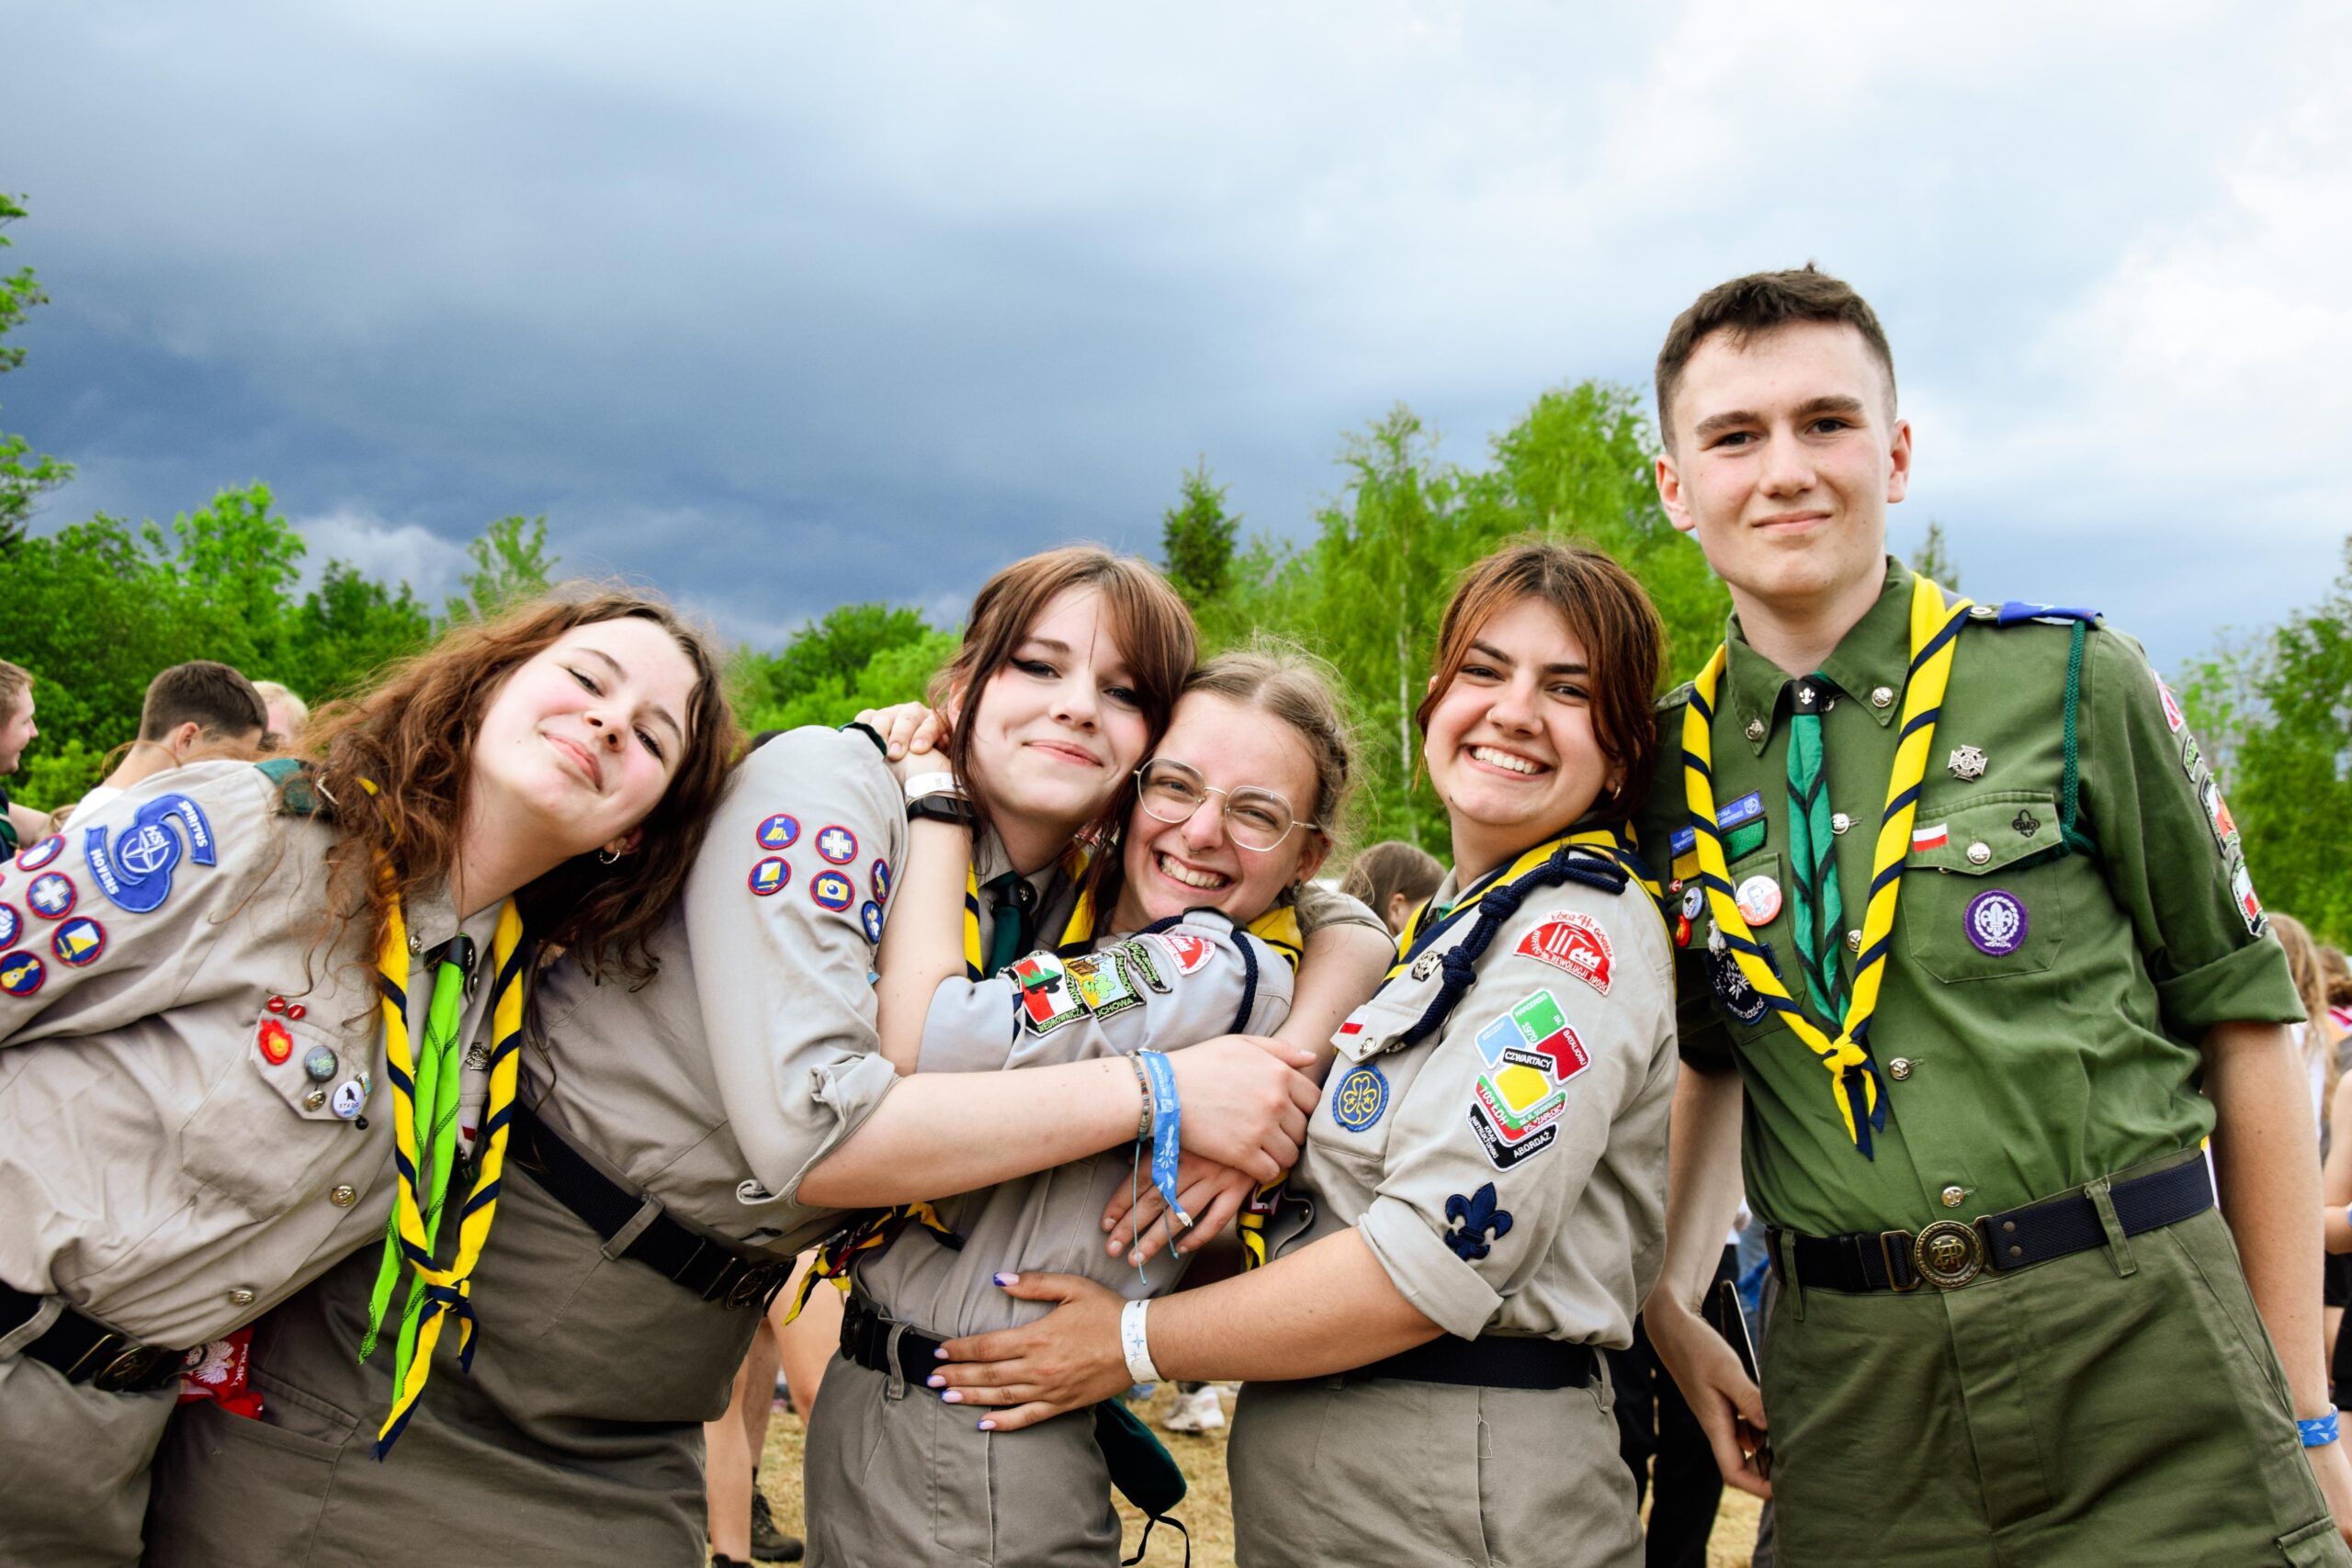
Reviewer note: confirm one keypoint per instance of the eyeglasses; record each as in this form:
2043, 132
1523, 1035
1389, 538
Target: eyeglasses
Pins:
1255, 818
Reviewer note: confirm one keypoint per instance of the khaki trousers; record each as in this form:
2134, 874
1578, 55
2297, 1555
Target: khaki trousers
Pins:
76, 1460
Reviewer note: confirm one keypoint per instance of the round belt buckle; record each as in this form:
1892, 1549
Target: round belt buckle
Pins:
134, 1371
1947, 1254
750, 1285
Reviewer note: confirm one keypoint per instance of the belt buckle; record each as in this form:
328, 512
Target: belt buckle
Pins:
1892, 1246
1947, 1254
749, 1285
136, 1368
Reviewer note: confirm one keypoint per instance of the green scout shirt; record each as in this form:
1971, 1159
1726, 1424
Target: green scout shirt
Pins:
2009, 1075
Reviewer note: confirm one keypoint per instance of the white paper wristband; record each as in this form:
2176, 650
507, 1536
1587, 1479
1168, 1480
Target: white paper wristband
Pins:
1134, 1342
924, 785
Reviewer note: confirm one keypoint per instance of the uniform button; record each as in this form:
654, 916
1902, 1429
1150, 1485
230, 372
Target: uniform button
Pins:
313, 1099
1756, 729
1839, 822
1979, 852
1854, 943
416, 942
342, 1197
1954, 1197
1900, 1068
1881, 696
240, 1297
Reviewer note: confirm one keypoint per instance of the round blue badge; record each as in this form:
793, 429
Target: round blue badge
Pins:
870, 917
40, 854
1359, 1098
78, 942
832, 890
53, 895
22, 973
12, 925
780, 831
1998, 922
838, 845
770, 876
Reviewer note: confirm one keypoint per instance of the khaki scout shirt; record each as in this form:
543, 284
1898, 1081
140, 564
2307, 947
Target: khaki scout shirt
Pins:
2040, 1017
167, 1162
752, 1054
1508, 1171
1161, 991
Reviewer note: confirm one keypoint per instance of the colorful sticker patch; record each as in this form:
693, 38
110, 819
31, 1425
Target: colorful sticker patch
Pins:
780, 831
869, 915
879, 874
22, 973
2249, 905
1044, 995
832, 890
78, 942
1530, 1053
1997, 922
1574, 943
837, 844
1100, 985
1188, 950
135, 872
770, 876
40, 854
1359, 1098
2173, 715
275, 1041
2217, 814
12, 925
51, 895
1474, 1222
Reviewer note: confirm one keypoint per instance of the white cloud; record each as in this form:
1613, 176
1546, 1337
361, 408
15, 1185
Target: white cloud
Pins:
388, 552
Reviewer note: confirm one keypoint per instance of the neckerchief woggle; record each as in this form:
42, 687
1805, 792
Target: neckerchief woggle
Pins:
1934, 632
425, 1140
1425, 925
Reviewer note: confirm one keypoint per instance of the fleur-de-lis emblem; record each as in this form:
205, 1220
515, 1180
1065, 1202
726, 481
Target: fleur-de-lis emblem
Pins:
1475, 1222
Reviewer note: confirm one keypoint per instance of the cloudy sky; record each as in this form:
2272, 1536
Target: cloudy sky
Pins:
776, 305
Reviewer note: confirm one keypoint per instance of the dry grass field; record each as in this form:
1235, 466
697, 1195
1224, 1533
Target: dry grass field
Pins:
1207, 1512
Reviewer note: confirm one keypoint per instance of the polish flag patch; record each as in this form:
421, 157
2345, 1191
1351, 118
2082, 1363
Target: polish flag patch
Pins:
1933, 838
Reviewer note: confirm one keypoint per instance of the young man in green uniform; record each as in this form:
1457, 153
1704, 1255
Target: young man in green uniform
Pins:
1967, 932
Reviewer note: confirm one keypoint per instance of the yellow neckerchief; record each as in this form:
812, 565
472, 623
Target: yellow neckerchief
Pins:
1423, 927
1934, 632
1278, 929
445, 1290
1077, 930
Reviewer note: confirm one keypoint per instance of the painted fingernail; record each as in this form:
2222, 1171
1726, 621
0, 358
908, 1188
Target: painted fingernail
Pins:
1008, 1278
987, 1425
940, 1354
953, 1396
935, 1381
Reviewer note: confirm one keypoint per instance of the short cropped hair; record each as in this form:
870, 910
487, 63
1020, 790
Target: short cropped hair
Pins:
1747, 308
213, 696
276, 692
14, 681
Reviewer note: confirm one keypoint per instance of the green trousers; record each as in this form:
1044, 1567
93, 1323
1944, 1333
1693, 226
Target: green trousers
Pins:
2118, 1407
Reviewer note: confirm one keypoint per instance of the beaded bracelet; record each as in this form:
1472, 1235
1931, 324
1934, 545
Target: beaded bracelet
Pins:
1143, 1083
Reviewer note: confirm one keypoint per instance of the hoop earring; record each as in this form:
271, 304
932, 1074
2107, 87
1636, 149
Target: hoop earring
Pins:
607, 857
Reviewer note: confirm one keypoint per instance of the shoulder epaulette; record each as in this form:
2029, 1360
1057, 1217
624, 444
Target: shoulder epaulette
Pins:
296, 797
1673, 699
2016, 612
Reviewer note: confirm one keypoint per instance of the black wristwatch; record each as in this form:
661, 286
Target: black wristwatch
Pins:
943, 808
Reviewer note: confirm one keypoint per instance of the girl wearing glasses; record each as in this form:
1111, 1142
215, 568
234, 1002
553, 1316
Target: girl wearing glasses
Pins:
1231, 817
1486, 1177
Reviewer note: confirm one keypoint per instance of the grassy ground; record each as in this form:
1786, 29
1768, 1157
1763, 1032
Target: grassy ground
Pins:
1207, 1512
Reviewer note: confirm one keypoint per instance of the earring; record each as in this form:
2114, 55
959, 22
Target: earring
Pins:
608, 857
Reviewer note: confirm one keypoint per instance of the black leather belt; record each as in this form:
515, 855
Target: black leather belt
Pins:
87, 1351
1950, 1253
1496, 1360
865, 1339
711, 1270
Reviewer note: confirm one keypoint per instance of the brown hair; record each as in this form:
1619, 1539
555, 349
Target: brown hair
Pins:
413, 735
14, 681
1389, 868
1748, 307
1607, 611
2310, 985
1155, 635
2337, 971
215, 698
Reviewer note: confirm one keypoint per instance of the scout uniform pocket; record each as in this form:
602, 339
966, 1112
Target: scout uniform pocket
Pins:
235, 1140
1980, 901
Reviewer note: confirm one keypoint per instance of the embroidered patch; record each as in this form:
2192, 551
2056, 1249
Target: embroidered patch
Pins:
2217, 814
1745, 809
78, 942
2173, 715
1743, 1001
1045, 993
1530, 1055
838, 845
275, 1041
1141, 970
1574, 943
1359, 1098
38, 855
879, 876
12, 925
1536, 1023
1189, 950
135, 872
2249, 905
1100, 984
22, 973
1502, 1151
1474, 1222
770, 876
780, 831
1351, 1031
2192, 761
51, 895
1997, 922
832, 890
869, 915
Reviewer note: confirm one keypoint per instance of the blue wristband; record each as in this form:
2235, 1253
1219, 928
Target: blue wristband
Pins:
2319, 1431
1167, 1130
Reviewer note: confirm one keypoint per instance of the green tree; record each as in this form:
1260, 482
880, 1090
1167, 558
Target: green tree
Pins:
2221, 690
347, 629
25, 476
510, 561
1196, 538
854, 657
2292, 795
1933, 560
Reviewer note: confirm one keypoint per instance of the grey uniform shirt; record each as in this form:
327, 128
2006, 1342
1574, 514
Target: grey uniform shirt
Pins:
167, 1162
1508, 1171
1160, 991
752, 1054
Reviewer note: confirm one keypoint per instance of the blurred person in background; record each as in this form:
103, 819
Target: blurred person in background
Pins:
1394, 878
288, 714
733, 1444
197, 711
18, 824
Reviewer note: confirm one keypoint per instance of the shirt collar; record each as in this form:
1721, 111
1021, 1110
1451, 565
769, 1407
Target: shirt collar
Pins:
1870, 664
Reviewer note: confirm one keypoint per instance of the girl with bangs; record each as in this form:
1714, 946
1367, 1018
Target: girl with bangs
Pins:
678, 1143
221, 996
1480, 1206
1232, 817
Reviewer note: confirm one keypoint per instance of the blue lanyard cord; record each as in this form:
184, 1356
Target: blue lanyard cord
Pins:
1166, 1131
